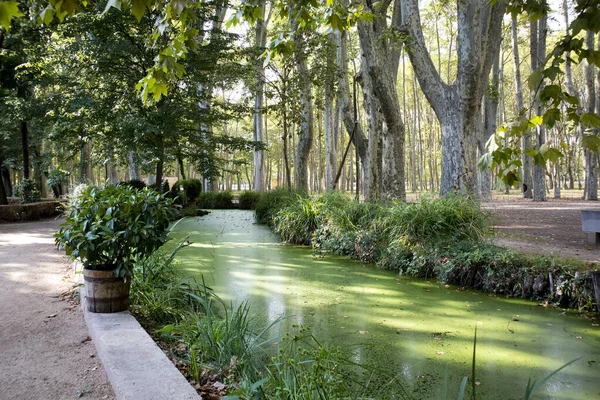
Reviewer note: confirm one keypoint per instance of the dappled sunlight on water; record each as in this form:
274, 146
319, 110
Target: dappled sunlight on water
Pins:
413, 328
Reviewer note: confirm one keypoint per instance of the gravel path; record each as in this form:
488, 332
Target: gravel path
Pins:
546, 228
45, 349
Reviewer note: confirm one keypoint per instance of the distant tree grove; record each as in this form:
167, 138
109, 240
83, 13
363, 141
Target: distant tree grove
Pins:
378, 98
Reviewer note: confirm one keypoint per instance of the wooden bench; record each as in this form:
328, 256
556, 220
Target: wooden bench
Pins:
590, 223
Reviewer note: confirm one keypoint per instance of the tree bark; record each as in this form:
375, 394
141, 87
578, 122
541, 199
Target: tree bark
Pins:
306, 134
538, 54
3, 191
259, 154
345, 100
25, 150
590, 191
526, 141
329, 113
457, 106
489, 128
381, 61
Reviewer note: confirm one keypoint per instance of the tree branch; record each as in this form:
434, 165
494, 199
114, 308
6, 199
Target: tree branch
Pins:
429, 78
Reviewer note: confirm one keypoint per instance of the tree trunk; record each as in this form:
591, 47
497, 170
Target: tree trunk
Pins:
345, 101
3, 192
526, 141
306, 134
373, 162
25, 150
259, 154
381, 63
538, 54
288, 177
489, 128
590, 191
329, 114
458, 106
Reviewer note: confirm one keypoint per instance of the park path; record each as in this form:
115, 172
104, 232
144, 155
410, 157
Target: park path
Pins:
45, 349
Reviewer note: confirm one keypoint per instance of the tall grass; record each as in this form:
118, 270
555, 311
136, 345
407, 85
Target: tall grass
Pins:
438, 222
270, 203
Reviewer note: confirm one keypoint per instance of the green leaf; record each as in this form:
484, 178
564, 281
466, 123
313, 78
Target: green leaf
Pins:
551, 116
138, 8
8, 11
590, 119
535, 79
591, 143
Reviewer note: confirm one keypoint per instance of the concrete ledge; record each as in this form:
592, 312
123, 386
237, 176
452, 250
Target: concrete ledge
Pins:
136, 367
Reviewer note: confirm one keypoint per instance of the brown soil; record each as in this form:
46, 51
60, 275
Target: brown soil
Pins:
44, 343
551, 228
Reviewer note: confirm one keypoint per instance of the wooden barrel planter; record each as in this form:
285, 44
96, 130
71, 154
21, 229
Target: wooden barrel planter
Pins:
104, 292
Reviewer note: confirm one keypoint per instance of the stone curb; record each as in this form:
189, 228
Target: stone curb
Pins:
136, 367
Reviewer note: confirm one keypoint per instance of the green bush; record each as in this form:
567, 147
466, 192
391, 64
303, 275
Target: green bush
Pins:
31, 211
134, 183
192, 189
249, 199
438, 222
270, 203
215, 200
27, 191
112, 228
297, 222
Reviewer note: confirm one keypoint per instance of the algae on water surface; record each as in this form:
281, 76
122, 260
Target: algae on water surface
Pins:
409, 327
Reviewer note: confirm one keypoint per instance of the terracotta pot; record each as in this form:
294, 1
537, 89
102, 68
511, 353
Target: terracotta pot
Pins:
104, 292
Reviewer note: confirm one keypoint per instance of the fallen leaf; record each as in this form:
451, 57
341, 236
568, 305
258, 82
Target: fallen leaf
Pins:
579, 337
363, 332
86, 339
440, 353
516, 318
478, 383
219, 385
51, 315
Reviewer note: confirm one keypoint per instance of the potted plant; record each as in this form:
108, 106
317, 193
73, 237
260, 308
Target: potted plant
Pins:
109, 230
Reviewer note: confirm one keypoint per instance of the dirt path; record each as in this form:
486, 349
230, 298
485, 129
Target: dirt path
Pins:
546, 228
45, 349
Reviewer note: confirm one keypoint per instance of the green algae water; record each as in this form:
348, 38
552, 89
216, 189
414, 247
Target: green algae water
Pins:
411, 328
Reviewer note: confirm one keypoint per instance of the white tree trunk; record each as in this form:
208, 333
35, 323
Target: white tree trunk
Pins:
261, 41
538, 54
329, 115
305, 136
591, 166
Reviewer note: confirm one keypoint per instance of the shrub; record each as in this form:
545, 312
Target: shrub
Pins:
298, 221
27, 191
438, 222
177, 194
249, 199
30, 211
224, 200
215, 200
270, 203
165, 187
134, 183
112, 228
192, 189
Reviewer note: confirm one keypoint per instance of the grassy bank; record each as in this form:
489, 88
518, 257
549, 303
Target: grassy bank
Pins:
448, 238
